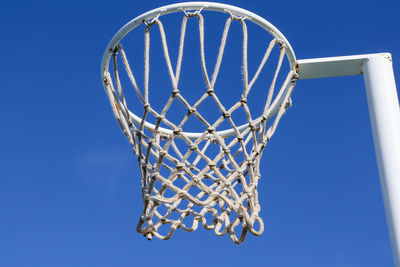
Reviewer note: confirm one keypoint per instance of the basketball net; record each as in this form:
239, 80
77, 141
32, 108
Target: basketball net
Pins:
177, 193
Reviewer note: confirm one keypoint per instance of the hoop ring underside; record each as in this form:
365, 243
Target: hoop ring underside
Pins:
210, 6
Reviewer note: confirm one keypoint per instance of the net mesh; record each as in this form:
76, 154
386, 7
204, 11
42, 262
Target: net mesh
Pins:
184, 182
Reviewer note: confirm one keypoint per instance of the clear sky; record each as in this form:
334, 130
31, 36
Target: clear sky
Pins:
70, 185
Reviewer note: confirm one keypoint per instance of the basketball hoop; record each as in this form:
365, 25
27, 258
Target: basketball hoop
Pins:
177, 190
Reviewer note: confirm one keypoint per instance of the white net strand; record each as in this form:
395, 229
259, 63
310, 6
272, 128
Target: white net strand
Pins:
183, 184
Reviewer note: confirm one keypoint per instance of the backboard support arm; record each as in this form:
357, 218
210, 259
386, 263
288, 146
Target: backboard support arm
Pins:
384, 115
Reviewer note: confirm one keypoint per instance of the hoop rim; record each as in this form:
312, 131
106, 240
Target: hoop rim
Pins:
210, 6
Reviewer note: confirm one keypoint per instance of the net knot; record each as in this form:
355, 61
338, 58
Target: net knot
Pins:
227, 211
264, 118
152, 22
168, 182
176, 225
192, 14
248, 193
243, 100
227, 183
177, 131
115, 50
226, 115
180, 166
235, 17
250, 162
281, 43
191, 110
175, 92
211, 129
193, 147
210, 91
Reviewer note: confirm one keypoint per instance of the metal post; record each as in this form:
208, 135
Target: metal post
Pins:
385, 121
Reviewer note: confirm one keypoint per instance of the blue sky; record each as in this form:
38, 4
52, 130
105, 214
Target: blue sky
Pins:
70, 185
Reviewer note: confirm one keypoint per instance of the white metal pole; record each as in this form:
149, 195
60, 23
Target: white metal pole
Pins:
385, 121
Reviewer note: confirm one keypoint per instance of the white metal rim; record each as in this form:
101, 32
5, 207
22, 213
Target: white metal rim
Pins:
211, 6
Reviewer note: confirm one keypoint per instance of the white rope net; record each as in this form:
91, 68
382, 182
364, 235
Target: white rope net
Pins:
177, 190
